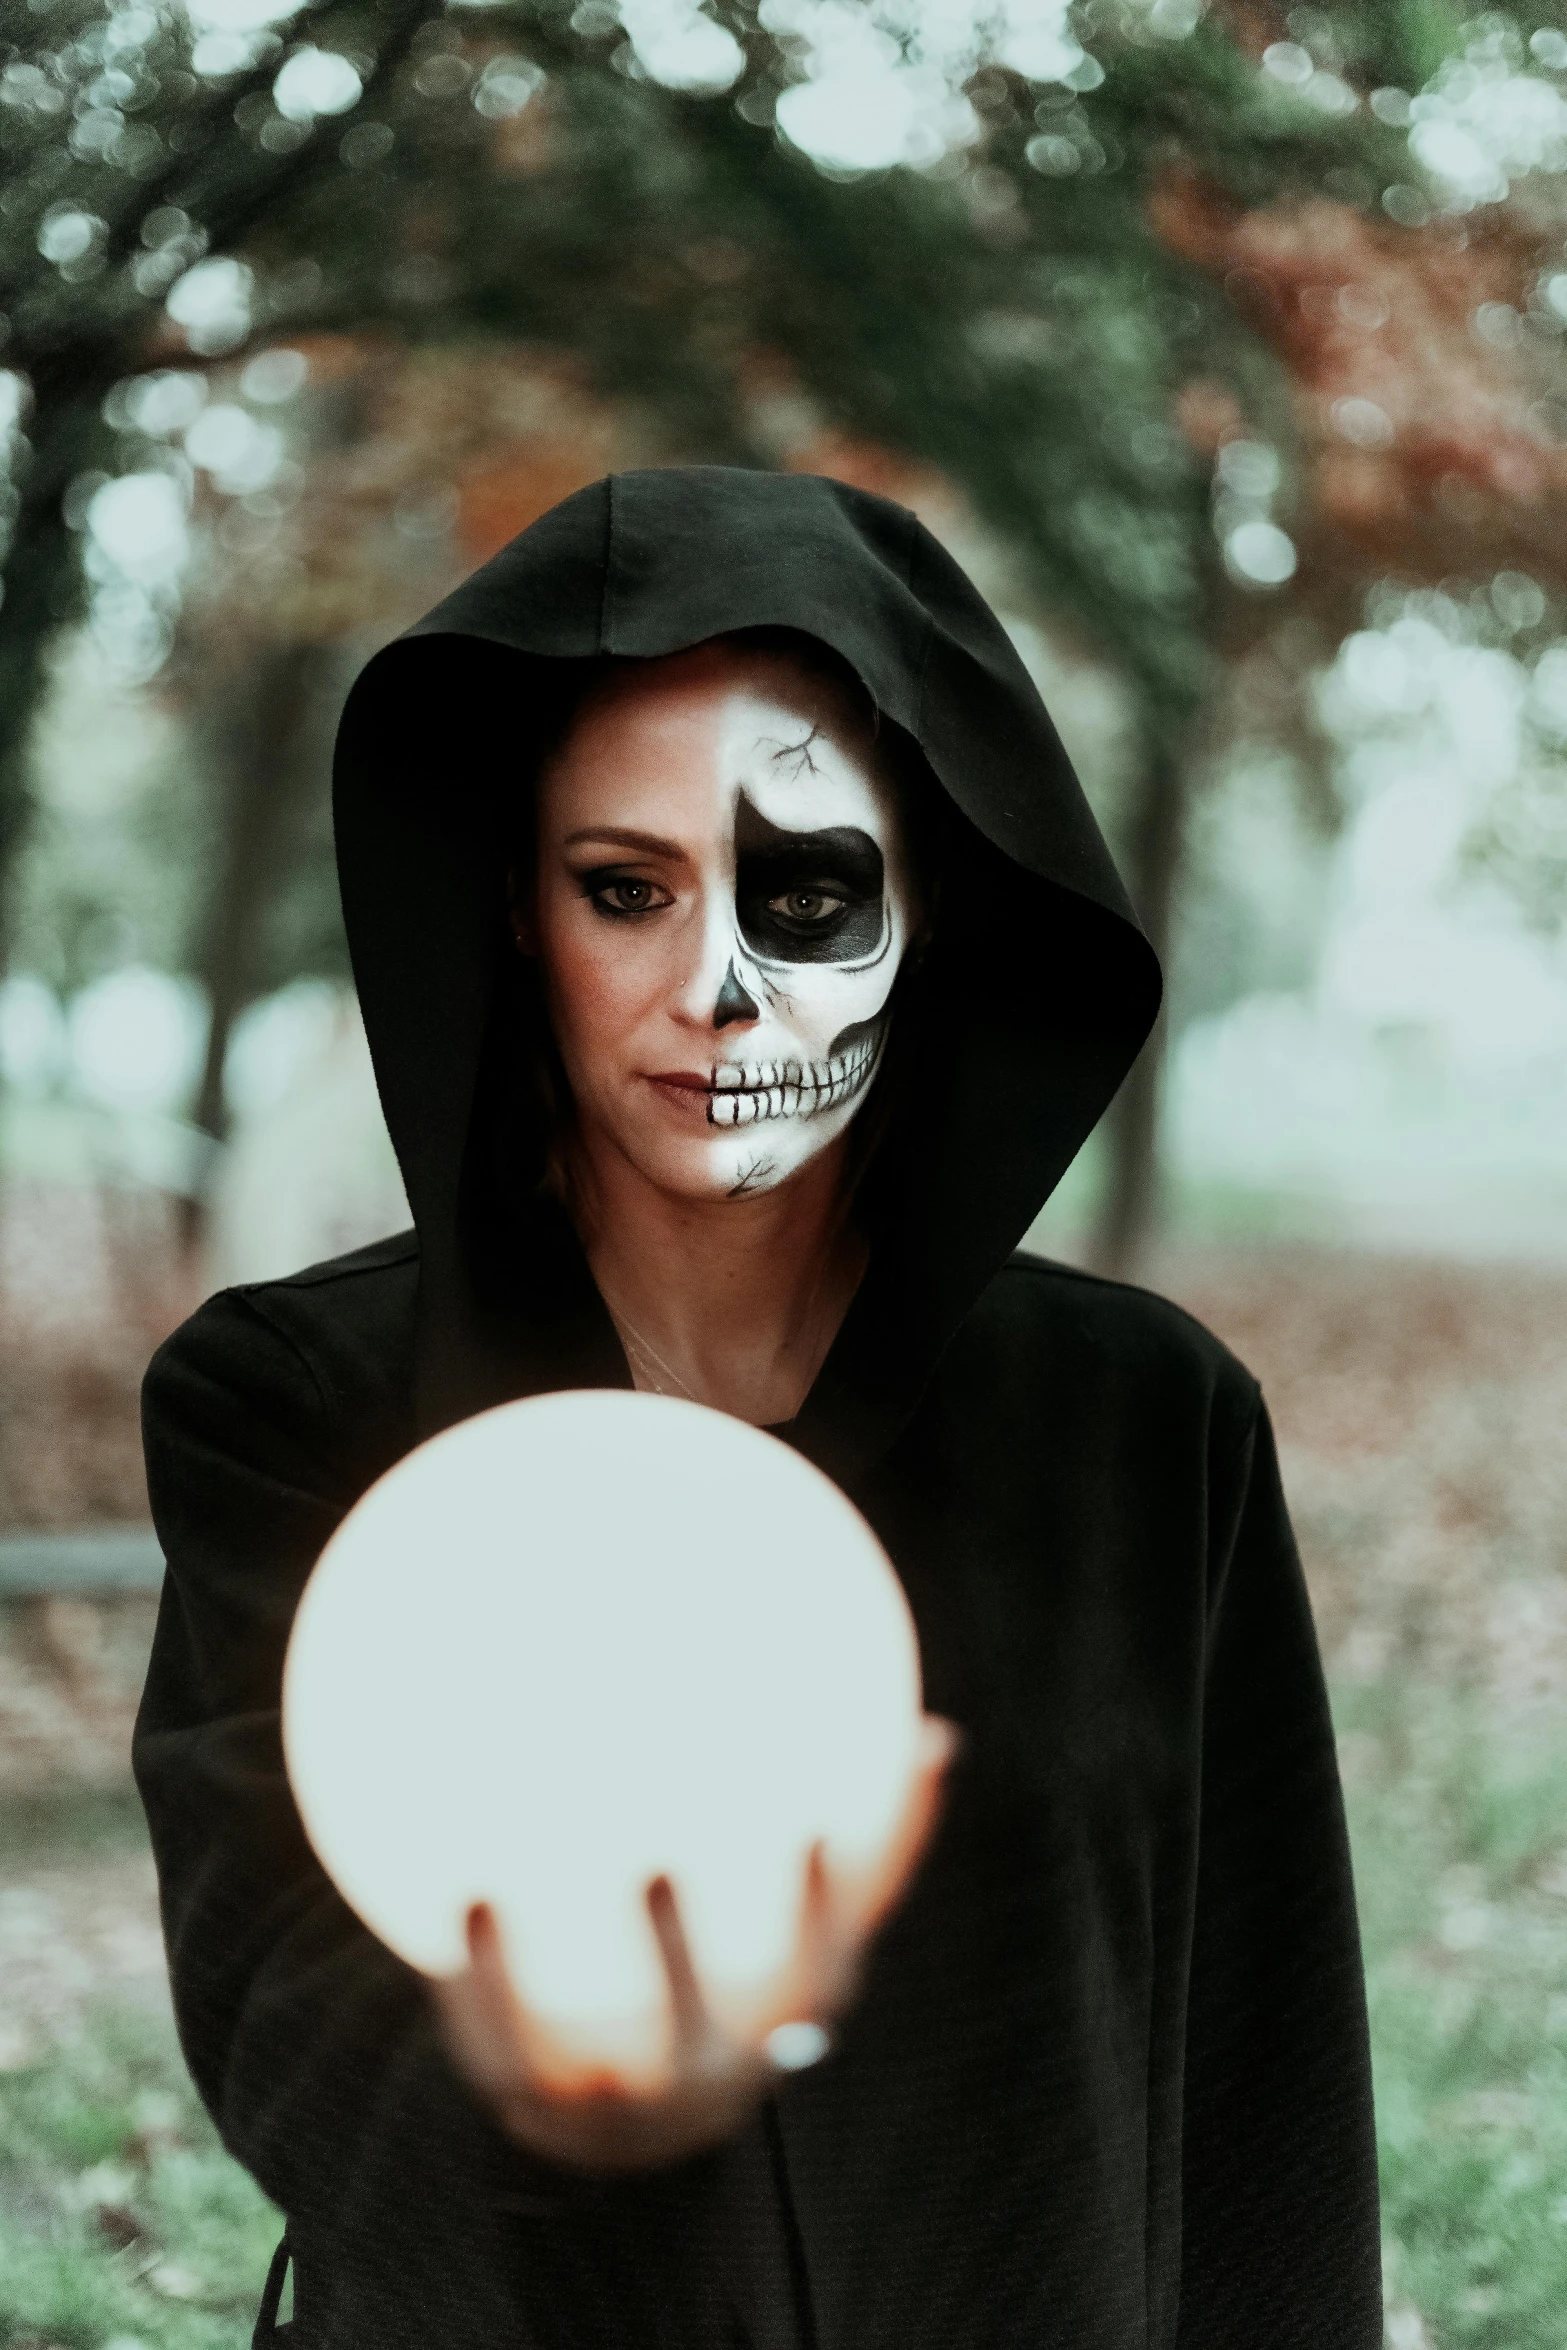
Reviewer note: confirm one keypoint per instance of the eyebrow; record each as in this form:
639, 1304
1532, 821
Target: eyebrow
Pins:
621, 837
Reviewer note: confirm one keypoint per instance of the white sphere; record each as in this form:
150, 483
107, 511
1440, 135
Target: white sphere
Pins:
580, 1641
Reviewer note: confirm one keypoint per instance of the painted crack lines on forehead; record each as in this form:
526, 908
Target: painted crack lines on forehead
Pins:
799, 753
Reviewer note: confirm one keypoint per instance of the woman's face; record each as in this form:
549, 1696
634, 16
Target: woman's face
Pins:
721, 907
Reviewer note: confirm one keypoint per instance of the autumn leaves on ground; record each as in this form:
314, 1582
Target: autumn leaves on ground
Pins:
1420, 1410
1419, 1407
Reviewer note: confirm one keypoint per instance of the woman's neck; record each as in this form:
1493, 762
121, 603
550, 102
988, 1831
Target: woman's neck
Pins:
729, 1302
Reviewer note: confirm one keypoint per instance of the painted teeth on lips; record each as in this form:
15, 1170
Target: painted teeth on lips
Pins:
745, 1094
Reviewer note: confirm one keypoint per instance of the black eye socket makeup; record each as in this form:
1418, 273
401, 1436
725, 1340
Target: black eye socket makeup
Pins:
807, 897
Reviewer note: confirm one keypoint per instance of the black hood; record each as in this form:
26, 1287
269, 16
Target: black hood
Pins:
1029, 1008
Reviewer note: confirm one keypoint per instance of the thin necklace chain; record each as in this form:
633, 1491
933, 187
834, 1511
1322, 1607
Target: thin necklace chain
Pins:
650, 1354
653, 1361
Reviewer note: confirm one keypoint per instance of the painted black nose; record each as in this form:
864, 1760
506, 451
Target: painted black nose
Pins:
733, 1002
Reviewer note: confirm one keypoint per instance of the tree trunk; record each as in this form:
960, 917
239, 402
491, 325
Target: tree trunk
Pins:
1130, 1201
42, 591
70, 355
264, 774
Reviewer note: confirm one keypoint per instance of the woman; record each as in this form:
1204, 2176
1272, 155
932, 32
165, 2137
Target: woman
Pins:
736, 1002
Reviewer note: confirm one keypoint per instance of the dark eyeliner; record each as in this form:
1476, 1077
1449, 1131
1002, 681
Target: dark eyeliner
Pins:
592, 884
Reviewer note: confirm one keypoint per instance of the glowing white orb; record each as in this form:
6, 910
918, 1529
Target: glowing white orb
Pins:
581, 1641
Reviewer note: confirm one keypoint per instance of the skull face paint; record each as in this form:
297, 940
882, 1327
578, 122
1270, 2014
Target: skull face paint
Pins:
805, 901
723, 903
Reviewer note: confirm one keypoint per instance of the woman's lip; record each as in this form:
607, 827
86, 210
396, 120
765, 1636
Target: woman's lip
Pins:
682, 1080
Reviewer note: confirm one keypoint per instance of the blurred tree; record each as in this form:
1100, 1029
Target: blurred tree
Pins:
1020, 297
124, 164
288, 585
1522, 840
263, 763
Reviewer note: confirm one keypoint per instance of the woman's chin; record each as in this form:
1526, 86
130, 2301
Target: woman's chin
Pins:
723, 1166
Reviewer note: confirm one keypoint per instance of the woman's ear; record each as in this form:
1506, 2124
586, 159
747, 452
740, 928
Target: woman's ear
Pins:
917, 949
926, 905
519, 913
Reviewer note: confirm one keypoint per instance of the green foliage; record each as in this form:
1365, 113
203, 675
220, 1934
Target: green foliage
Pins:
1008, 313
122, 167
1461, 1868
1385, 43
1252, 901
664, 237
106, 134
1521, 839
121, 837
120, 2215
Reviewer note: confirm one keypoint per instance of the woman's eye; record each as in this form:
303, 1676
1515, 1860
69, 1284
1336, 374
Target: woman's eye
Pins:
807, 907
624, 893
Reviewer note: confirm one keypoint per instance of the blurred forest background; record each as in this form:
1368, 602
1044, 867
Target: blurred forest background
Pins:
1226, 346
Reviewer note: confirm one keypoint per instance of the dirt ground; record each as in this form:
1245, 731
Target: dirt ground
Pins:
1420, 1408
74, 1932
91, 1279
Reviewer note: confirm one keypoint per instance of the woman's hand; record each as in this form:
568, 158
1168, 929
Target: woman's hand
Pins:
712, 2079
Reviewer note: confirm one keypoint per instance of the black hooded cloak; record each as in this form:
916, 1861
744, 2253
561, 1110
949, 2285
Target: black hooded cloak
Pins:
1107, 2083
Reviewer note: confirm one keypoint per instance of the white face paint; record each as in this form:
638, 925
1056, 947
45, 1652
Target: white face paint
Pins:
723, 905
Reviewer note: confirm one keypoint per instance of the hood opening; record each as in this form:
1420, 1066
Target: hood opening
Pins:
1011, 1034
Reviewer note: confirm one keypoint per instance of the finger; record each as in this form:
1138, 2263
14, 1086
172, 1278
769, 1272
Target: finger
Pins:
474, 2023
537, 2061
693, 2024
828, 1943
816, 1918
483, 1935
822, 1977
484, 1985
494, 1991
922, 1809
939, 1744
824, 1971
493, 2010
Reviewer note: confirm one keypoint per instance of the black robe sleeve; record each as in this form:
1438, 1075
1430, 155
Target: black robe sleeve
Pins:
311, 2044
1280, 2236
413, 2219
